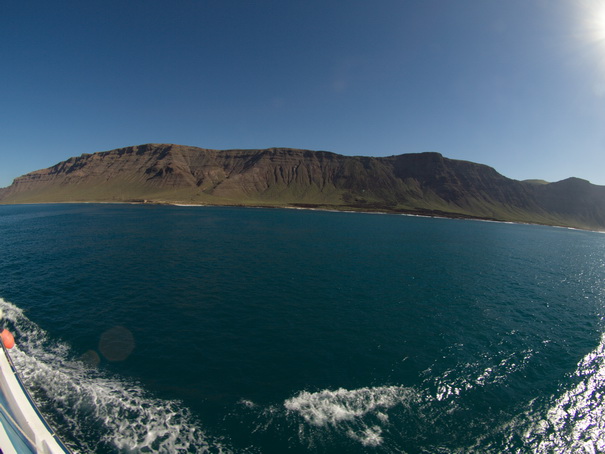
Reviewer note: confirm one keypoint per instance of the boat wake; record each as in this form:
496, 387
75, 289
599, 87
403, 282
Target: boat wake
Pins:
360, 411
429, 415
93, 411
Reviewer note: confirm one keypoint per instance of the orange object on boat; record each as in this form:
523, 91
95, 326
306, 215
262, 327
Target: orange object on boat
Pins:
7, 338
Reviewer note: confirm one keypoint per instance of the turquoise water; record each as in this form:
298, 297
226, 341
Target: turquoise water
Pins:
204, 329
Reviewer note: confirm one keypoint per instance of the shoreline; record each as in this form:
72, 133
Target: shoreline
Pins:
317, 207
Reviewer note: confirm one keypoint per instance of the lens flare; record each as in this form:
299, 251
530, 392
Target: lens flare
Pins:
592, 22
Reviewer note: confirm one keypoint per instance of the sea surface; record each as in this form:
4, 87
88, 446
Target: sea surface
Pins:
176, 329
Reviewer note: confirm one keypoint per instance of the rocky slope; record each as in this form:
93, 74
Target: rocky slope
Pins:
424, 183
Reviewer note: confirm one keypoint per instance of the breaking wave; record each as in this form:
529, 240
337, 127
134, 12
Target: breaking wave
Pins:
96, 412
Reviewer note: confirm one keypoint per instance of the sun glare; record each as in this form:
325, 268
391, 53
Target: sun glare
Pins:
589, 19
599, 23
593, 21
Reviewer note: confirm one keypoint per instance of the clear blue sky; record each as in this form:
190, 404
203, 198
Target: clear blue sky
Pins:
515, 84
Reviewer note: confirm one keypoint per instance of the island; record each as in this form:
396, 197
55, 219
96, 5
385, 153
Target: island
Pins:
427, 184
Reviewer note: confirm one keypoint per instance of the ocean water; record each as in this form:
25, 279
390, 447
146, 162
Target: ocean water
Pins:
165, 329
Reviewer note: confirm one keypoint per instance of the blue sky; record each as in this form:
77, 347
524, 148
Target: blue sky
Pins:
518, 85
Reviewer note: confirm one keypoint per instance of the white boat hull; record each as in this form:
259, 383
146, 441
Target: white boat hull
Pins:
22, 427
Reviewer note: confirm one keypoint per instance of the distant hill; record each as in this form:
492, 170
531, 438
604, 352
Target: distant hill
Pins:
423, 183
536, 181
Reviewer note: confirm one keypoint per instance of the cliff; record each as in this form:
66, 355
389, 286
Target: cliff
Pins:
424, 183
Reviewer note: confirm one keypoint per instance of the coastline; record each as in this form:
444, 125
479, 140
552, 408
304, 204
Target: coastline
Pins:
317, 207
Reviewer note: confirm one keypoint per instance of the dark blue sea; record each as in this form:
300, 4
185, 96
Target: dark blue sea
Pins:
176, 329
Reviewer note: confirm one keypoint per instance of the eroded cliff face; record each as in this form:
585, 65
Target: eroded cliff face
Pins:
133, 164
423, 183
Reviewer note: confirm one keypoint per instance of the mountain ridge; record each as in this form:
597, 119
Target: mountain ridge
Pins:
417, 183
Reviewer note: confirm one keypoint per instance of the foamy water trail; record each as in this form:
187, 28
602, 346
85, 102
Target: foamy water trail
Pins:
358, 412
97, 410
333, 407
372, 415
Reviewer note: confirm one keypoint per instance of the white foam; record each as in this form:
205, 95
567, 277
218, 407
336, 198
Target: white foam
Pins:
359, 413
332, 407
370, 436
247, 403
363, 414
119, 413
